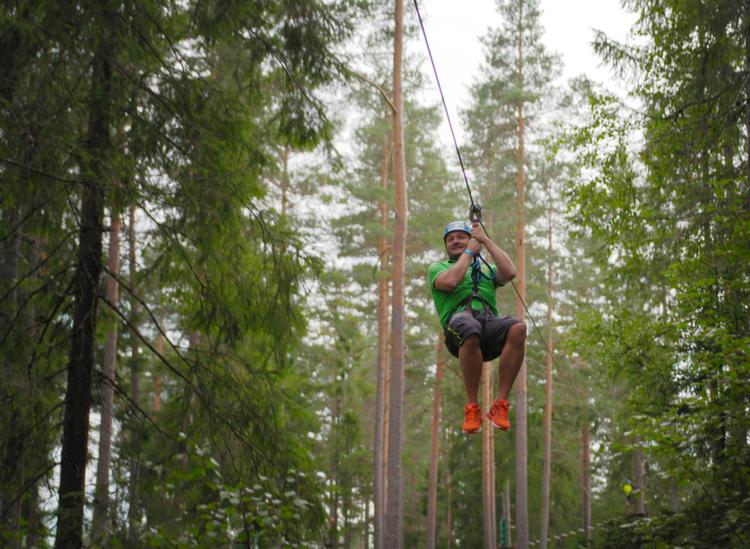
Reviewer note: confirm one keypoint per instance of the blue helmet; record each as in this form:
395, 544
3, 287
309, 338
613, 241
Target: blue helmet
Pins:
456, 226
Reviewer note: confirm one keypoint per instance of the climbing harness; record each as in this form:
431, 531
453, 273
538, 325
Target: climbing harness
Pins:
477, 274
475, 210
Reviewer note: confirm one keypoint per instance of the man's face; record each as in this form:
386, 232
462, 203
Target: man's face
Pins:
456, 242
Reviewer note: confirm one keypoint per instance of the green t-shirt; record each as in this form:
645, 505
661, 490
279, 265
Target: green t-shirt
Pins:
446, 303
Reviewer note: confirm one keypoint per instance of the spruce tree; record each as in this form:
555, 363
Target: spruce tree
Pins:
670, 213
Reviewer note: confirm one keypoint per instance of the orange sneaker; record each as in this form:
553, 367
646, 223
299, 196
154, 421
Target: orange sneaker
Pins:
498, 414
472, 418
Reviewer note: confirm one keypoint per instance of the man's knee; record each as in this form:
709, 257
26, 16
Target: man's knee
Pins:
517, 334
471, 341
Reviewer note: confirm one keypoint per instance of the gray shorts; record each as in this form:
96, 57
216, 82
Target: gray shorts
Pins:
491, 329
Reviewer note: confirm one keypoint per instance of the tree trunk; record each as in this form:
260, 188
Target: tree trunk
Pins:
379, 448
104, 463
9, 267
586, 481
746, 25
285, 181
135, 386
333, 504
346, 483
488, 463
507, 514
449, 503
521, 427
547, 467
386, 417
366, 526
414, 500
157, 376
33, 516
88, 270
394, 514
435, 448
493, 482
640, 507
13, 446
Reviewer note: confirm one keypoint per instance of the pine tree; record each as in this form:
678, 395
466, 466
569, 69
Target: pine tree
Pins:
104, 461
517, 73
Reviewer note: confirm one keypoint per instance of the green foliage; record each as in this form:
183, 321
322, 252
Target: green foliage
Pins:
669, 213
202, 95
267, 376
206, 511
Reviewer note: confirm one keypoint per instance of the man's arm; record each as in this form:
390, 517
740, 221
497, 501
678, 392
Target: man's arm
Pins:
450, 278
506, 270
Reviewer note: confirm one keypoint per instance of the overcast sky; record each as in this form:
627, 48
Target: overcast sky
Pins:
455, 27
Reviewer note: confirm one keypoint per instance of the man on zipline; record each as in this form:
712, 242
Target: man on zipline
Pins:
463, 288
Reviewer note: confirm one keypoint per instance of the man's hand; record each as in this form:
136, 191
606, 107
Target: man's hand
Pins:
474, 246
478, 234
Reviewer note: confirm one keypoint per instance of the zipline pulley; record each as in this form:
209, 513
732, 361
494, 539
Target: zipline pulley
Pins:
475, 213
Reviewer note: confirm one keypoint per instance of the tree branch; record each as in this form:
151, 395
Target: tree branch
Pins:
26, 486
121, 392
134, 329
15, 163
383, 93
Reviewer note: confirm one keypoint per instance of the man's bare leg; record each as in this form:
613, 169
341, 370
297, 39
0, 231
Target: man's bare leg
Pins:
510, 359
470, 360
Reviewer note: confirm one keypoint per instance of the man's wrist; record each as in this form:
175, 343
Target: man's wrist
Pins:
469, 252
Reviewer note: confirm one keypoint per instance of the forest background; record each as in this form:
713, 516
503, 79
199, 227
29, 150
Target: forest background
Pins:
197, 216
